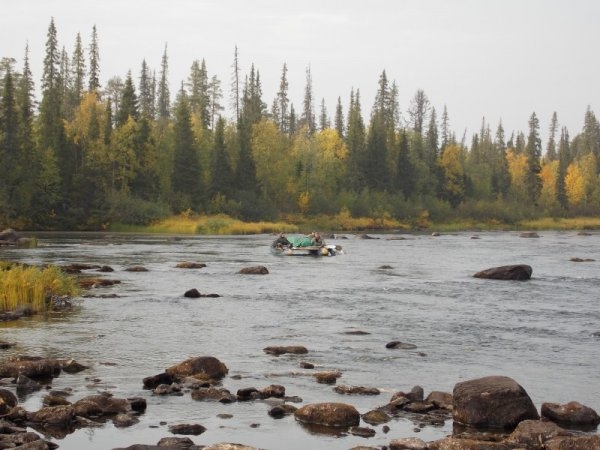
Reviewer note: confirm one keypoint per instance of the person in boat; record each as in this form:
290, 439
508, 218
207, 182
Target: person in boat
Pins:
281, 241
316, 239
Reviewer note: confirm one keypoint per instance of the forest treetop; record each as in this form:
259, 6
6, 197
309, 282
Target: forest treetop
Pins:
89, 155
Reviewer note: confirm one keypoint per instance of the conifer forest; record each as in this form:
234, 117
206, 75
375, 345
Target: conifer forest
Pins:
78, 155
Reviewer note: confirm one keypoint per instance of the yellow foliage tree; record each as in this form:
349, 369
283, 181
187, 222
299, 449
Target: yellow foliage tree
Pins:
451, 162
517, 166
575, 184
549, 174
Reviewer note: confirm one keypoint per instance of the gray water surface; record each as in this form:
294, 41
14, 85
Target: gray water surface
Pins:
543, 332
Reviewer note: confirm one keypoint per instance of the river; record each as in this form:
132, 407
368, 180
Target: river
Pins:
544, 333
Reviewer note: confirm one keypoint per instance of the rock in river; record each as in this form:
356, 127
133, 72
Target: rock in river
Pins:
572, 413
206, 365
492, 402
328, 414
513, 272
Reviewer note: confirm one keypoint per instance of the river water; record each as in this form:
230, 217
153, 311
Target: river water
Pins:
544, 333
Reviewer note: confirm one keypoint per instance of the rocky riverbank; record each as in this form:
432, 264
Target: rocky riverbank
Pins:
488, 413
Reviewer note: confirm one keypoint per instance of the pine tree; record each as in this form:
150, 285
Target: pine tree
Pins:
164, 102
533, 152
94, 74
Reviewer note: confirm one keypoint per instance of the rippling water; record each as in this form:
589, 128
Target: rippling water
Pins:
543, 332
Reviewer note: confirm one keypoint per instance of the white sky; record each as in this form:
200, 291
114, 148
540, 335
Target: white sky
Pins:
498, 59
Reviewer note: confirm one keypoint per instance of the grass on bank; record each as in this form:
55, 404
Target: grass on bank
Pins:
343, 222
31, 288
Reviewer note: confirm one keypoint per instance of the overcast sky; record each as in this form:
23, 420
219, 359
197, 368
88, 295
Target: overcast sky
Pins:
498, 59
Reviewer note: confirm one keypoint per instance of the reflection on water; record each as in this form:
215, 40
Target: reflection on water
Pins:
344, 309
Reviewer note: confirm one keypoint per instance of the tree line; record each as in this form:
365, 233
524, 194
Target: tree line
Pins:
86, 156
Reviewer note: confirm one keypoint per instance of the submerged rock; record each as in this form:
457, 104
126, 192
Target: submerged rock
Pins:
280, 350
254, 270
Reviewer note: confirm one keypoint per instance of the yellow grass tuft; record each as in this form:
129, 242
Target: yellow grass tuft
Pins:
31, 288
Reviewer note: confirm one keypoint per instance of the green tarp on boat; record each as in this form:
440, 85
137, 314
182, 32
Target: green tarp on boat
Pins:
300, 241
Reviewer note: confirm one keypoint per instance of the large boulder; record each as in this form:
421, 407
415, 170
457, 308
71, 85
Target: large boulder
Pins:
572, 413
208, 366
518, 272
492, 402
328, 414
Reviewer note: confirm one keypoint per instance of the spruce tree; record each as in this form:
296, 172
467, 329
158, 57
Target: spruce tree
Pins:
77, 75
283, 101
164, 102
308, 115
563, 163
404, 168
28, 159
146, 97
199, 93
235, 86
419, 108
355, 141
94, 74
533, 152
323, 117
221, 174
128, 106
186, 180
500, 172
215, 96
339, 119
551, 147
